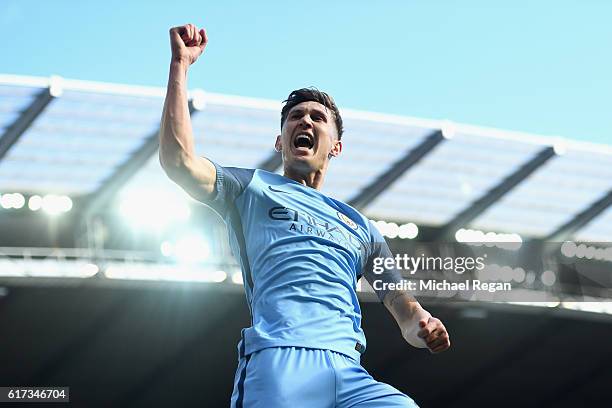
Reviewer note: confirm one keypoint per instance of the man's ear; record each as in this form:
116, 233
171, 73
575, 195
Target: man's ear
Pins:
278, 146
336, 149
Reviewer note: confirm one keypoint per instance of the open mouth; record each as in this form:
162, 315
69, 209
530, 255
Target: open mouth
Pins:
304, 140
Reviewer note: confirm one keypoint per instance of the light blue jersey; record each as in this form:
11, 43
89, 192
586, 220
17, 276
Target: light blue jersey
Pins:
301, 254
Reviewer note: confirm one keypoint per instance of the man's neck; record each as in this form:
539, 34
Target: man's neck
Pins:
312, 179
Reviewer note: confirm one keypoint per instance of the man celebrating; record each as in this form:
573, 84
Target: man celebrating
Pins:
301, 254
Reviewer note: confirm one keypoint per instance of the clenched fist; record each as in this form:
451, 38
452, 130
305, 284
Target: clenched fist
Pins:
187, 43
434, 334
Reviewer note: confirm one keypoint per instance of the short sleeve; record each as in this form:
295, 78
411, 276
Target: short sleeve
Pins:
372, 270
230, 183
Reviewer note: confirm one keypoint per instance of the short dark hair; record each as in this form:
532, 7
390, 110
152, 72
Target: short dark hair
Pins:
312, 94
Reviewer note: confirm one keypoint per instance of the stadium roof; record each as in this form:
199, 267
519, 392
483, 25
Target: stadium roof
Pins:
94, 140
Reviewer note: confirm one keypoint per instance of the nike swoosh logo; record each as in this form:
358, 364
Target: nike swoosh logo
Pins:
278, 191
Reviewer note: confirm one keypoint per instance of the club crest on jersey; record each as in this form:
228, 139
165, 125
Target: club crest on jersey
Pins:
347, 220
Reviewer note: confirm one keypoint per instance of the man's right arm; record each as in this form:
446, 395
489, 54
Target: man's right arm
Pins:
194, 174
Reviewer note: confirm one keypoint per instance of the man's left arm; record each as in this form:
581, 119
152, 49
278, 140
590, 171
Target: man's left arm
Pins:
419, 328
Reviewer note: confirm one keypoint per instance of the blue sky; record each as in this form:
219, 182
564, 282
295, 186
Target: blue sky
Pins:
537, 66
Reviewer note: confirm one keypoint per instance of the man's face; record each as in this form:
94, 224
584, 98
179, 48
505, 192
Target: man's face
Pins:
309, 136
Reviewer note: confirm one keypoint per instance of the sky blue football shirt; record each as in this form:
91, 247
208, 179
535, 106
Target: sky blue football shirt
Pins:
301, 255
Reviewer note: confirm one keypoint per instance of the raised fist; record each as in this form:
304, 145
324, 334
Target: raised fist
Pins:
187, 43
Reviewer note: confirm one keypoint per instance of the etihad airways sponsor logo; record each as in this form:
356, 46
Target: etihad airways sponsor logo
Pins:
302, 222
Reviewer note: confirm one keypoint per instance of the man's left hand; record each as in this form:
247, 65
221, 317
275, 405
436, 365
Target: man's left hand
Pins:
433, 332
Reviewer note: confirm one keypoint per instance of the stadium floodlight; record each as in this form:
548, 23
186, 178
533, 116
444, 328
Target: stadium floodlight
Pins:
392, 230
548, 278
590, 252
12, 200
470, 236
519, 275
158, 272
494, 272
66, 203
18, 200
198, 99
448, 129
151, 210
56, 86
490, 239
408, 231
133, 271
52, 268
475, 237
35, 202
237, 278
571, 250
6, 201
56, 204
461, 235
89, 269
560, 147
217, 276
